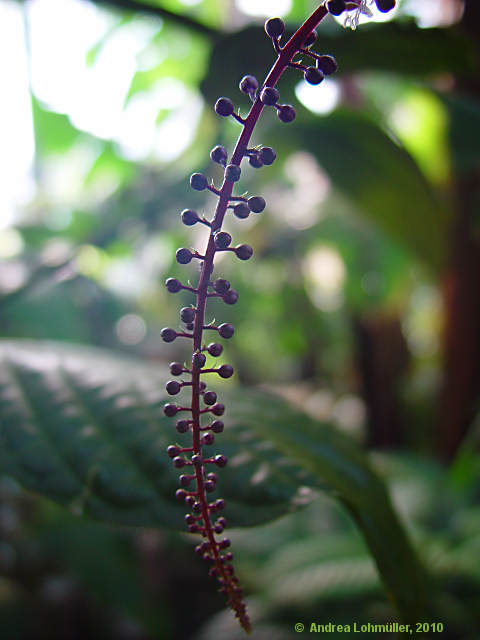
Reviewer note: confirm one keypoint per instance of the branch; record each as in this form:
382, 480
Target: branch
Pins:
144, 7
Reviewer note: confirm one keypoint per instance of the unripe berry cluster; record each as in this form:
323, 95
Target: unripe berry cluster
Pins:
199, 416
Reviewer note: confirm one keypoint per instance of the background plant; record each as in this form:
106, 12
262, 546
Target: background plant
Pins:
65, 276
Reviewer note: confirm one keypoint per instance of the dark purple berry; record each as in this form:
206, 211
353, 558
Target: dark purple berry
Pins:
202, 386
224, 107
310, 39
274, 27
189, 519
198, 181
168, 335
336, 7
286, 113
178, 462
385, 5
197, 459
180, 494
187, 314
170, 410
184, 480
241, 210
256, 204
173, 387
244, 251
231, 297
225, 371
193, 528
313, 75
217, 426
196, 507
172, 451
267, 155
255, 161
218, 529
222, 239
219, 155
173, 285
210, 397
270, 96
176, 369
327, 65
226, 330
220, 523
208, 439
215, 349
198, 360
189, 326
224, 544
220, 461
248, 84
189, 217
183, 256
190, 501
218, 409
209, 486
220, 503
232, 172
213, 477
221, 285
182, 426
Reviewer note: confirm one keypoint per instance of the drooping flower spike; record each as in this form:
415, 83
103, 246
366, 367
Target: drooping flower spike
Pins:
199, 416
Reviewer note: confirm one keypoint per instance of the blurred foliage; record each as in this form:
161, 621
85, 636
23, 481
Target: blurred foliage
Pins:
356, 239
96, 442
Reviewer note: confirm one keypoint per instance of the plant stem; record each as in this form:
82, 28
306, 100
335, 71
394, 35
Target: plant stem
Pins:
285, 56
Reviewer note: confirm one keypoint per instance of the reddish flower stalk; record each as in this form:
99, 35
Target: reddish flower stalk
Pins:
200, 520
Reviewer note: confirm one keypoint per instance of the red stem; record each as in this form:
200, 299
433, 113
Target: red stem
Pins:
285, 56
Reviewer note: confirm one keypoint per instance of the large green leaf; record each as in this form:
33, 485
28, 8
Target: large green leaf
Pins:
396, 48
401, 47
381, 179
344, 471
464, 132
86, 428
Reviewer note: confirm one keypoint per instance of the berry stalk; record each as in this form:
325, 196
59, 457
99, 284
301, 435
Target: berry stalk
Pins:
200, 520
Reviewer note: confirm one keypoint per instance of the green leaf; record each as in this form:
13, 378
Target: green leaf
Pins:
401, 47
54, 132
394, 48
109, 165
183, 56
381, 179
86, 428
464, 131
343, 469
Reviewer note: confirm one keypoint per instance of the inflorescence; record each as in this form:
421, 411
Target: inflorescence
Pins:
201, 416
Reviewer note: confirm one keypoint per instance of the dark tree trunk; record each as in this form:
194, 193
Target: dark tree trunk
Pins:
460, 392
382, 360
461, 388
